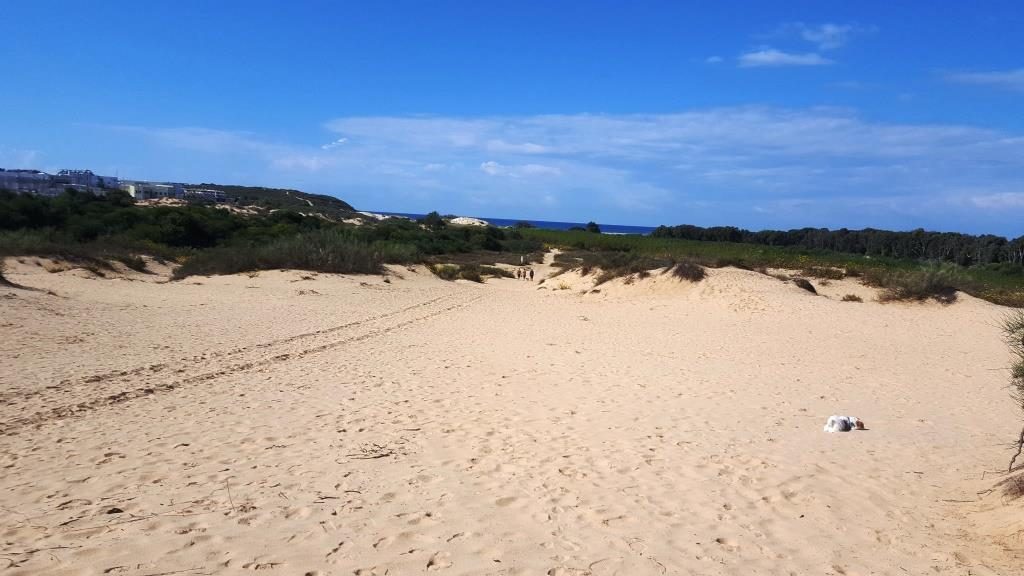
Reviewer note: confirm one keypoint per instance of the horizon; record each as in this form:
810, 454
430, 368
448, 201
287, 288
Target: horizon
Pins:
795, 115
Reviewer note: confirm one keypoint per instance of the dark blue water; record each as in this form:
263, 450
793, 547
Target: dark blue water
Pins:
546, 225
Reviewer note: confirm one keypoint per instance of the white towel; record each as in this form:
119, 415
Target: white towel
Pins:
841, 423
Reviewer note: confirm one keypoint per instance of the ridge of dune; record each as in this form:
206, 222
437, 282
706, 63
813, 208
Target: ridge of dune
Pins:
300, 423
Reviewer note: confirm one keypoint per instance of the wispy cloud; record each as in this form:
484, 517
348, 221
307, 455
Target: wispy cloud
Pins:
19, 158
795, 36
1006, 79
813, 166
827, 36
335, 144
771, 57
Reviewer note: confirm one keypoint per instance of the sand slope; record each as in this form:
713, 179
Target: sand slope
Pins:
294, 424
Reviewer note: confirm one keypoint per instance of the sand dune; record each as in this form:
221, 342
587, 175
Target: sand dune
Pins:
295, 423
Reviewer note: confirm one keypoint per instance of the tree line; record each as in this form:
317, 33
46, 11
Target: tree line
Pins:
962, 249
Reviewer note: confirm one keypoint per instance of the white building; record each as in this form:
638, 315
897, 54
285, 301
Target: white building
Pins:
206, 194
153, 190
86, 179
26, 181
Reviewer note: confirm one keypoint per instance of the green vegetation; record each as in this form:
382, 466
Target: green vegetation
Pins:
285, 199
939, 282
901, 279
852, 298
1013, 332
618, 264
471, 272
93, 230
320, 250
688, 270
962, 249
433, 220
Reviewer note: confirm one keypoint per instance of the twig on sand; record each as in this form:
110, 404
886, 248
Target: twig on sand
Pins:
372, 452
227, 483
174, 572
1020, 448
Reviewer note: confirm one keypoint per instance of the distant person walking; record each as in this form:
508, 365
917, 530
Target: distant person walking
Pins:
531, 274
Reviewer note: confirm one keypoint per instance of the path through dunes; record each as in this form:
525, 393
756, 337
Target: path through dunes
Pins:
350, 426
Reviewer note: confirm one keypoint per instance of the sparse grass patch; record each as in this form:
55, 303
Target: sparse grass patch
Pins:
445, 271
471, 272
932, 282
1013, 334
852, 298
824, 272
496, 272
133, 262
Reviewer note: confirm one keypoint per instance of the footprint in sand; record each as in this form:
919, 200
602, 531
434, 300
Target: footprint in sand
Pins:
439, 561
727, 543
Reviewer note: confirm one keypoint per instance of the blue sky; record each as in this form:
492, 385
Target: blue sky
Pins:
757, 114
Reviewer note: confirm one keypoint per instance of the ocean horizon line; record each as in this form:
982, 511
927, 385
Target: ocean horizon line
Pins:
542, 224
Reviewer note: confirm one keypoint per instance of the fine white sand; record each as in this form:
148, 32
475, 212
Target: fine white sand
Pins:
298, 424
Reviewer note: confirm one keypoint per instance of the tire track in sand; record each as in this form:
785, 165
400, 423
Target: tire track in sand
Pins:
203, 372
15, 397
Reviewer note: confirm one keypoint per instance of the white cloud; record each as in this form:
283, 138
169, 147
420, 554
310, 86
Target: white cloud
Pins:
999, 201
521, 148
826, 36
540, 170
812, 166
492, 168
771, 57
335, 144
1006, 79
19, 158
713, 60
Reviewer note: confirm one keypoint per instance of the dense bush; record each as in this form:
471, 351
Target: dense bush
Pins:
319, 251
97, 229
963, 249
471, 272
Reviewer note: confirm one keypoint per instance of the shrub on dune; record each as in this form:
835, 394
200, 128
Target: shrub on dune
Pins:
688, 270
824, 272
1013, 333
852, 298
805, 284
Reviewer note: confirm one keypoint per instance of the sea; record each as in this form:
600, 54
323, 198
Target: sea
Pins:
546, 224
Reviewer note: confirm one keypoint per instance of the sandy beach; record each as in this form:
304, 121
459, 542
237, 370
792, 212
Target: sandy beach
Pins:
296, 423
